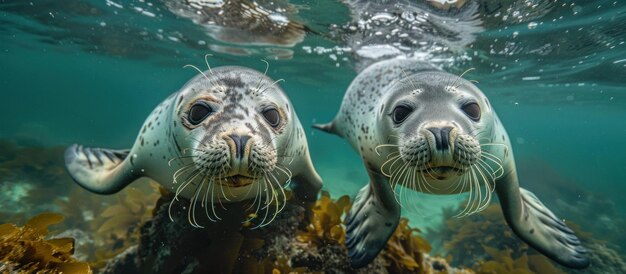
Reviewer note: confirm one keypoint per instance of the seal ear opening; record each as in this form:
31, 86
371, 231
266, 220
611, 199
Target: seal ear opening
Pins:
327, 127
102, 171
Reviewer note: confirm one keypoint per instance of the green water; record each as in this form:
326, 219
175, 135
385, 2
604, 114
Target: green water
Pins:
87, 72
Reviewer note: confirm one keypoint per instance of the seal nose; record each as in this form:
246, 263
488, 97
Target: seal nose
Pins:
240, 144
442, 137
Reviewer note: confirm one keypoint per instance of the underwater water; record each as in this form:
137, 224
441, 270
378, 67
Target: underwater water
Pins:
90, 72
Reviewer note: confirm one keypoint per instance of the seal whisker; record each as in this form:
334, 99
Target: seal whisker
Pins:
493, 144
271, 85
287, 172
191, 212
479, 193
393, 154
223, 193
255, 182
456, 186
472, 194
265, 201
488, 189
493, 173
274, 199
384, 145
465, 179
196, 68
406, 76
414, 185
428, 170
258, 86
169, 162
382, 167
400, 185
213, 200
420, 181
169, 209
256, 201
187, 182
205, 199
206, 61
409, 184
215, 80
182, 170
496, 161
461, 77
395, 182
491, 158
399, 139
280, 204
403, 185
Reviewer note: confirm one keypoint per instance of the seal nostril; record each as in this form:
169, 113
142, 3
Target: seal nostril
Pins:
442, 137
445, 137
240, 144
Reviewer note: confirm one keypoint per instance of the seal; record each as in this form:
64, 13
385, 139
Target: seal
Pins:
421, 129
229, 134
243, 21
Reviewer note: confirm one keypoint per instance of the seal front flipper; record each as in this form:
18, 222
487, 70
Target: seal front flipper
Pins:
99, 170
538, 226
371, 221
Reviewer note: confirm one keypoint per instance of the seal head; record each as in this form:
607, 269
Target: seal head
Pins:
438, 123
230, 134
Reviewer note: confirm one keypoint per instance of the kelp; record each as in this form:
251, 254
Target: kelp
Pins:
117, 225
503, 262
326, 225
112, 222
25, 249
485, 243
405, 250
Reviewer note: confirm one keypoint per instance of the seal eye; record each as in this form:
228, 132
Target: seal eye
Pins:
198, 112
400, 113
472, 110
272, 117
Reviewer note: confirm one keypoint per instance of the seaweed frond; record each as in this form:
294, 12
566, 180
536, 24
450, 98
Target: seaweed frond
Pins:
117, 226
25, 249
405, 249
326, 225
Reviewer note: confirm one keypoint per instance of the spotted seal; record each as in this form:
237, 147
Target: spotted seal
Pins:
244, 22
229, 134
426, 130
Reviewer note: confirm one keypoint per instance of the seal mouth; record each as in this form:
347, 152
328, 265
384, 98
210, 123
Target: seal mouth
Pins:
236, 181
441, 172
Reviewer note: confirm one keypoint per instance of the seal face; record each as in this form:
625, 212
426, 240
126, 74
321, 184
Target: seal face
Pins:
421, 129
230, 134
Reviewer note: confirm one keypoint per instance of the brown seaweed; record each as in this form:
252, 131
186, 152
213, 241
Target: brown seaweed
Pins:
326, 225
25, 249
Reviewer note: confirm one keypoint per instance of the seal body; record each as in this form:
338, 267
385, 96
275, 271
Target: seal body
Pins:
244, 22
421, 129
228, 135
